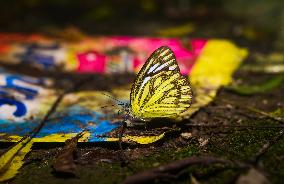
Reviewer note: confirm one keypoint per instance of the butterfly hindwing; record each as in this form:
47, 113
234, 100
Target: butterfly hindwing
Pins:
159, 89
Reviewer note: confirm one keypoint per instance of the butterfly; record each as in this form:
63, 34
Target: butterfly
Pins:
159, 90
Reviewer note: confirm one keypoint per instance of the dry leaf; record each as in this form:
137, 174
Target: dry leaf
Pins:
64, 162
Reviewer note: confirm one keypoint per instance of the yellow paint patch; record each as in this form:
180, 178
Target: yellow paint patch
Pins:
52, 138
176, 31
11, 138
55, 138
213, 69
12, 160
91, 100
138, 139
86, 135
218, 60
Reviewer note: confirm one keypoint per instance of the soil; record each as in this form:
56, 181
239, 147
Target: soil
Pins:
241, 128
101, 162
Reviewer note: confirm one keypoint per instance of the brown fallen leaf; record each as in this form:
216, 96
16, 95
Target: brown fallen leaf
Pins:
64, 162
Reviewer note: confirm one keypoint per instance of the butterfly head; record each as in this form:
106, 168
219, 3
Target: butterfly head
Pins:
128, 116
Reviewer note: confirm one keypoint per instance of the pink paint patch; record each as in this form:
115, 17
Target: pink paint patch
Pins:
197, 45
128, 54
91, 62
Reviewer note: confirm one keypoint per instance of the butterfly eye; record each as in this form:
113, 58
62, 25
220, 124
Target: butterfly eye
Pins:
119, 112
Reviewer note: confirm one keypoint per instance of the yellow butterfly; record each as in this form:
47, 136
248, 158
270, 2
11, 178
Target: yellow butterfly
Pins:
159, 91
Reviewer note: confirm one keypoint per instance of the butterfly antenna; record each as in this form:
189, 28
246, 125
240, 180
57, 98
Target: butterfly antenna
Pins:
107, 106
120, 102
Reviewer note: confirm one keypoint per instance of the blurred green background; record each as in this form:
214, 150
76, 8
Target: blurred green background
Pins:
254, 21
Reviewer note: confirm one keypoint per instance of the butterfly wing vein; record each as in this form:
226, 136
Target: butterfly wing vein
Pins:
159, 89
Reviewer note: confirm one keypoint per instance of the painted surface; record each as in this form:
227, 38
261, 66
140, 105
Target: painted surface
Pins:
94, 55
24, 100
23, 97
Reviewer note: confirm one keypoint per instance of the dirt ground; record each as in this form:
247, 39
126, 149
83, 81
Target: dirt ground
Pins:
243, 125
234, 127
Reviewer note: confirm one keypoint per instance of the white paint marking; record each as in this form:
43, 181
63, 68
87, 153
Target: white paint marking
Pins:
91, 57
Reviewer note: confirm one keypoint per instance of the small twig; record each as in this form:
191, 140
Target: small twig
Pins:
123, 127
265, 114
253, 161
122, 158
232, 126
265, 147
252, 109
160, 172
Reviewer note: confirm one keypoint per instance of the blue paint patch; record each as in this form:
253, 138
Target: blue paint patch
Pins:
33, 54
16, 128
73, 120
103, 128
21, 109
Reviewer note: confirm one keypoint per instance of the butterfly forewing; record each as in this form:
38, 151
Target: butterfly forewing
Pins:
159, 89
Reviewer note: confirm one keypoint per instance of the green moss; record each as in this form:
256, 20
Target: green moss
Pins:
273, 162
41, 172
224, 176
163, 157
235, 145
242, 145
